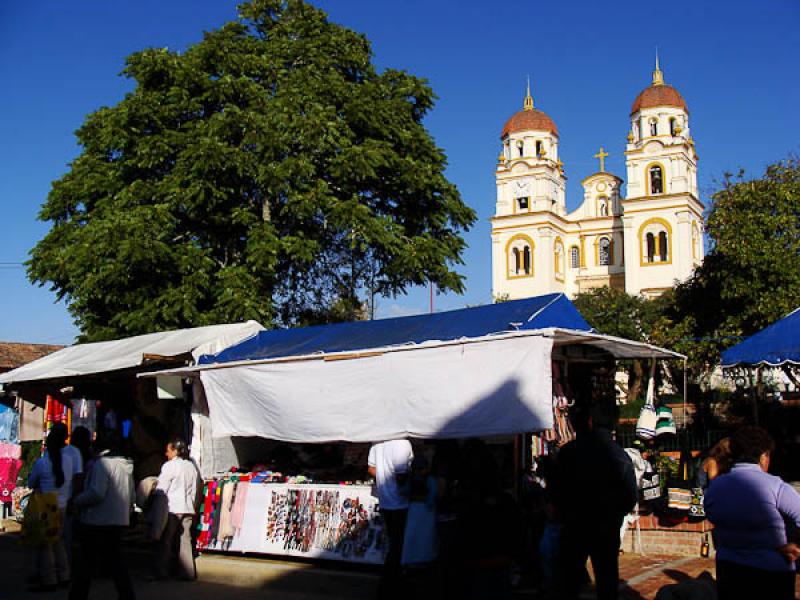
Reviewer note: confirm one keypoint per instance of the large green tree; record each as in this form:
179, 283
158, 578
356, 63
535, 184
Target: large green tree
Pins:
614, 312
267, 172
751, 275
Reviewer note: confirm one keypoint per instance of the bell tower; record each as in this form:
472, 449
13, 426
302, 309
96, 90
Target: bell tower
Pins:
662, 211
531, 194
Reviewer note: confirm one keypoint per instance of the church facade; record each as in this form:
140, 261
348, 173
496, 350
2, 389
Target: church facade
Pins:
642, 243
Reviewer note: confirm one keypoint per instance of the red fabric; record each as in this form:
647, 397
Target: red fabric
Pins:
9, 469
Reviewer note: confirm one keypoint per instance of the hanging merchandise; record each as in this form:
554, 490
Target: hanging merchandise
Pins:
538, 445
696, 509
9, 425
110, 420
665, 424
9, 468
56, 412
651, 487
648, 417
564, 432
10, 450
679, 498
84, 414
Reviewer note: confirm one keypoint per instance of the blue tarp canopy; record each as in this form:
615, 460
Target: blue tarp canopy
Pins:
776, 345
540, 312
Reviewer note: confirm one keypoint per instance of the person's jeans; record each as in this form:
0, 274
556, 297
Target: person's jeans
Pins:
177, 532
394, 524
598, 541
53, 563
99, 544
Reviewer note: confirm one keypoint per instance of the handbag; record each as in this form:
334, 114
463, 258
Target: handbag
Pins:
696, 509
679, 498
646, 425
651, 486
42, 521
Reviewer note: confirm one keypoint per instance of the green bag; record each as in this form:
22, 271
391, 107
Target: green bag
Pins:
42, 521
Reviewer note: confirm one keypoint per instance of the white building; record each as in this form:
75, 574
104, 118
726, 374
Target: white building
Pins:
642, 243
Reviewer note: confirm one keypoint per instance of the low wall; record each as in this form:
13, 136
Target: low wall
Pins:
651, 537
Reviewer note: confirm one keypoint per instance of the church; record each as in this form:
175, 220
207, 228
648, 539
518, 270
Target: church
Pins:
642, 243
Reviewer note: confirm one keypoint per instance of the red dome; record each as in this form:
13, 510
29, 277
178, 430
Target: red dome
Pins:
658, 95
529, 120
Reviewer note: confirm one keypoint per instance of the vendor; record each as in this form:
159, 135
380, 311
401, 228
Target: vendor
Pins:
389, 464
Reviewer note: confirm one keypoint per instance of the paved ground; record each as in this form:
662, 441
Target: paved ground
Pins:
250, 578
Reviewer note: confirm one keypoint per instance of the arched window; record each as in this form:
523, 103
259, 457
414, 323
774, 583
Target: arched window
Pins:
521, 147
519, 256
639, 129
673, 126
656, 175
663, 251
604, 252
558, 258
653, 127
651, 247
574, 257
655, 240
539, 148
523, 203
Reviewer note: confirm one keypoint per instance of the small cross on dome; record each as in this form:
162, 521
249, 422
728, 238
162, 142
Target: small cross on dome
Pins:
602, 156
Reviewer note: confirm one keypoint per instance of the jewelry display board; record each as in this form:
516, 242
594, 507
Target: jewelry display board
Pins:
335, 522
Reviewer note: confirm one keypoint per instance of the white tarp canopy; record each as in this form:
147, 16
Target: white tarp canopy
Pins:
619, 348
493, 385
100, 357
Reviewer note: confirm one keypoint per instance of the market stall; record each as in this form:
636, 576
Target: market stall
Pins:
94, 385
479, 372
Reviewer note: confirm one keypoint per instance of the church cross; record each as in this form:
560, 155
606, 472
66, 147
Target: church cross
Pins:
602, 156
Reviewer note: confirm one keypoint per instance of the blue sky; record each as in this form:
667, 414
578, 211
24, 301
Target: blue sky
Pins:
735, 63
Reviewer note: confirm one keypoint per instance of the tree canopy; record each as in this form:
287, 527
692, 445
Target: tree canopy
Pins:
750, 278
266, 172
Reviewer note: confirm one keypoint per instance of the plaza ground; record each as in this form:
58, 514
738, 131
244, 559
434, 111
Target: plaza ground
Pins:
248, 578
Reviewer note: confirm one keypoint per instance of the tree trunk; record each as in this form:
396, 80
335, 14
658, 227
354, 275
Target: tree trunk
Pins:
635, 378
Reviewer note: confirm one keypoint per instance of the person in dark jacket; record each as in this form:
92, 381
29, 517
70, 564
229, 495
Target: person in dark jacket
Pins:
595, 487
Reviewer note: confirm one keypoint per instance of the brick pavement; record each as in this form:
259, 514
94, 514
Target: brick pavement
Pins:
643, 576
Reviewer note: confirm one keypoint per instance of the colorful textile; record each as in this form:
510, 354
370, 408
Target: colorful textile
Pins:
8, 450
9, 468
237, 512
9, 425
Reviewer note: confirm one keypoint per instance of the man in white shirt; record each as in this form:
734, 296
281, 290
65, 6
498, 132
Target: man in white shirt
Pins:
178, 481
389, 464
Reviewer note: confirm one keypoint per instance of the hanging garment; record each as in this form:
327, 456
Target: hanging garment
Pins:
239, 505
225, 525
9, 425
9, 469
8, 450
